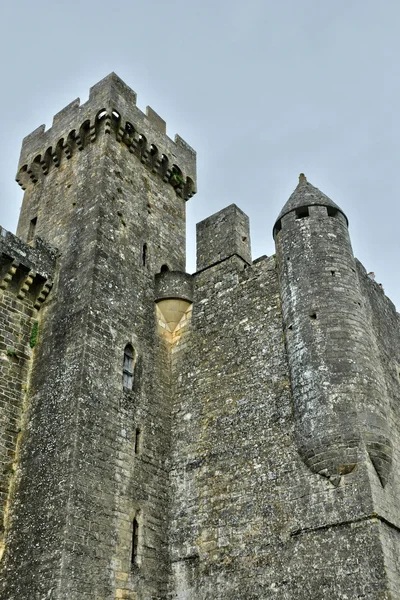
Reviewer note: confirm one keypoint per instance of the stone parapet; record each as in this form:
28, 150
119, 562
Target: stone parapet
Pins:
111, 108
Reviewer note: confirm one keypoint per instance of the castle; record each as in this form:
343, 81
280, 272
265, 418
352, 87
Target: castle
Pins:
231, 434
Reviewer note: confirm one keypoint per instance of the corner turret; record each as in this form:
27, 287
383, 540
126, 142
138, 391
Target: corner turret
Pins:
339, 390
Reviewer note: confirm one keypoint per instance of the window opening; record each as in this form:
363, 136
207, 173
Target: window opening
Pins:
144, 255
278, 227
127, 370
302, 212
332, 212
135, 539
138, 435
164, 269
129, 128
32, 229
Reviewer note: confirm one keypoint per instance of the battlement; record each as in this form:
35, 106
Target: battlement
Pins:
111, 108
25, 268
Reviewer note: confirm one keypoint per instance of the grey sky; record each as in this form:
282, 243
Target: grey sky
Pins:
262, 90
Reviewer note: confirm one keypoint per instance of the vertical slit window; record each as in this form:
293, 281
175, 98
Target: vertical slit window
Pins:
135, 540
127, 370
32, 229
138, 436
144, 255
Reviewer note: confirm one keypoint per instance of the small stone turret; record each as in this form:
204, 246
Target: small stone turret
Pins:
224, 234
174, 298
339, 392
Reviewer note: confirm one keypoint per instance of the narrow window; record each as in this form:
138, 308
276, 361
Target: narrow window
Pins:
302, 212
127, 370
144, 255
138, 435
164, 269
32, 229
135, 539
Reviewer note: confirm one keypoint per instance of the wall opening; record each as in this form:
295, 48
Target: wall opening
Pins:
332, 212
313, 315
135, 543
129, 134
71, 144
32, 229
164, 269
277, 228
57, 154
127, 369
153, 157
138, 440
144, 255
84, 134
302, 212
163, 170
142, 147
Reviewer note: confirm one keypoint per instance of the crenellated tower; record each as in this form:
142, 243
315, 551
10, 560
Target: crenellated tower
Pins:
89, 497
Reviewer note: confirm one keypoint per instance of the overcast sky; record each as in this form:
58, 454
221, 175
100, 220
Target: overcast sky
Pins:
263, 90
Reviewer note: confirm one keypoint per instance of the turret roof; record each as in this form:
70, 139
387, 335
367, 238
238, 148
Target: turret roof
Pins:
306, 194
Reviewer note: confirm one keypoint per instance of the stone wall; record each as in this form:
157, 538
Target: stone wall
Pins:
248, 518
25, 280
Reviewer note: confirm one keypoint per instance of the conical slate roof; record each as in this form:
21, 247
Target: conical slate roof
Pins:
307, 195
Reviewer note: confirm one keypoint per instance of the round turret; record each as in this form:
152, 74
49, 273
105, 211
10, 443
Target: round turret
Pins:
304, 196
339, 391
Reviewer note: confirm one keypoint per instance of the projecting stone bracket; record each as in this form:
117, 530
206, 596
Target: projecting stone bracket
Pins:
173, 314
380, 452
25, 283
335, 478
26, 271
174, 297
9, 272
335, 460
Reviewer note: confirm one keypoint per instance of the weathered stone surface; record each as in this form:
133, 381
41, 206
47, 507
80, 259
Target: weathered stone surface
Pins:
224, 435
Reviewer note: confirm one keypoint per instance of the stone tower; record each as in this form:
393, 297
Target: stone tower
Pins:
228, 434
107, 188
